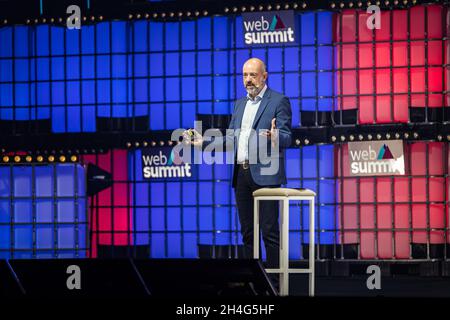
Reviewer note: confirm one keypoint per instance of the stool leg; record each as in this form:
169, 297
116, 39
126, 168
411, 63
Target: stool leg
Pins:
284, 286
256, 228
311, 247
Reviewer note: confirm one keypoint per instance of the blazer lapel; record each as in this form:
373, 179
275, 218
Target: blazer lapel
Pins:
240, 112
262, 106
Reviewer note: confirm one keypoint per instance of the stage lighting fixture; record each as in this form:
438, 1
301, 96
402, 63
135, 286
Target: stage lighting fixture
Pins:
360, 137
352, 137
416, 135
155, 15
388, 136
295, 6
297, 142
333, 5
278, 7
128, 145
304, 5
369, 136
40, 159
5, 159
171, 14
286, 6
306, 141
28, 159
439, 137
342, 138
448, 137
205, 13
196, 13
243, 9
145, 143
350, 4
269, 7
73, 158
333, 138
62, 158
379, 136
161, 143
153, 143
226, 9
406, 135
235, 9
397, 135
51, 158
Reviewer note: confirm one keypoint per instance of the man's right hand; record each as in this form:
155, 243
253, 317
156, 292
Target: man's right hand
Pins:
193, 137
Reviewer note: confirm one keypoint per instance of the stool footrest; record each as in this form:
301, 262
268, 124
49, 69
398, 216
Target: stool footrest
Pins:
289, 270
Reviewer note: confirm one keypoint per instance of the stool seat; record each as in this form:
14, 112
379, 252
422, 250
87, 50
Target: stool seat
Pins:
283, 192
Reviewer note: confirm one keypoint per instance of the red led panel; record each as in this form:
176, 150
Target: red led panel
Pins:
110, 211
384, 215
374, 77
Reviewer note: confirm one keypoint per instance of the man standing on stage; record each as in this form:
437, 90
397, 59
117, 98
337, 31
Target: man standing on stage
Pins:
268, 113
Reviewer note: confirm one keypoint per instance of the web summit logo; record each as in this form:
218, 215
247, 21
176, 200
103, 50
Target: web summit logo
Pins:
365, 160
164, 163
266, 28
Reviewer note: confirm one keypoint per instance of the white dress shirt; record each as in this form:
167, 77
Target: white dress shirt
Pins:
251, 108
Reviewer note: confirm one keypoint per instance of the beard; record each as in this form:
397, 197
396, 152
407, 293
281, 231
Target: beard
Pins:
253, 90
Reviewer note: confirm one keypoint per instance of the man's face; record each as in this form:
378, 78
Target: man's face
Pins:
254, 78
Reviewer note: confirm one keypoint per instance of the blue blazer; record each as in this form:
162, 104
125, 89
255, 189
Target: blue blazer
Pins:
273, 105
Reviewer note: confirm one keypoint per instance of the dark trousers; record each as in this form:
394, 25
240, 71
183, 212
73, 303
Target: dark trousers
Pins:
268, 220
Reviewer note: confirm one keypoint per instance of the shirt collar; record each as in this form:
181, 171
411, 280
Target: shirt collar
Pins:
259, 96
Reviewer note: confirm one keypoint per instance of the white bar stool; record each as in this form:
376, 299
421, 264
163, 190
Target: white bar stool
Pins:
284, 195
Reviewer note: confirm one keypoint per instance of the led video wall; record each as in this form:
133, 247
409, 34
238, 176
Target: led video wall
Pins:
170, 72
